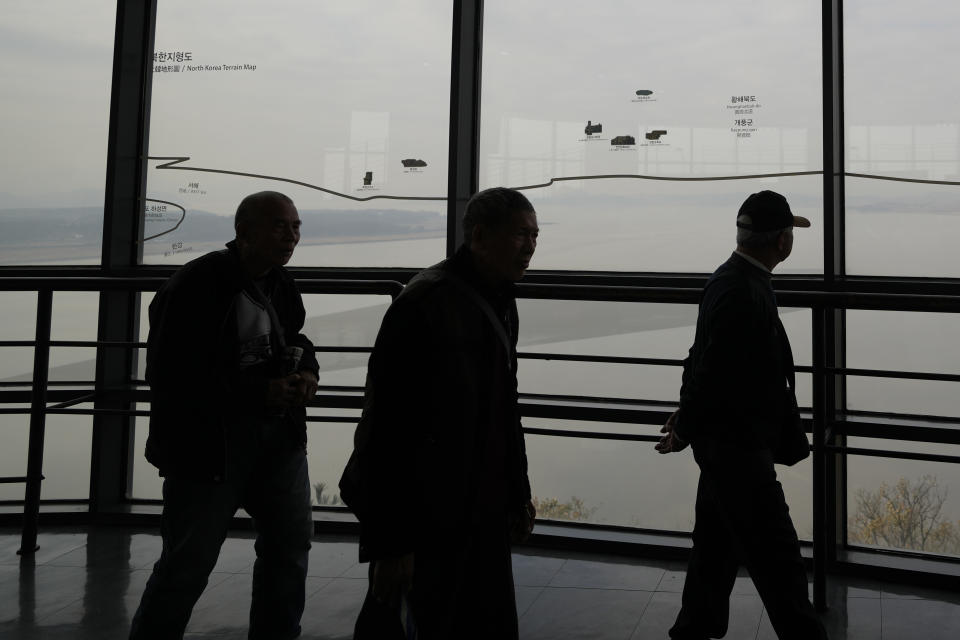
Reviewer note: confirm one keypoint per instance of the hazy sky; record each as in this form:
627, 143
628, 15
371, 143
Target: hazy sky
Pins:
345, 88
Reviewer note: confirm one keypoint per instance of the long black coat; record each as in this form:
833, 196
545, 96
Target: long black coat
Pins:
196, 385
440, 440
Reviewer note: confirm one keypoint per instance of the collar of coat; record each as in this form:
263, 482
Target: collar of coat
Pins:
462, 263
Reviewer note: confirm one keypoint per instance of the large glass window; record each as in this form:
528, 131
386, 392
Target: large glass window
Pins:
638, 487
596, 110
902, 123
903, 341
621, 329
16, 372
566, 485
331, 321
903, 504
67, 441
636, 132
56, 61
614, 481
342, 106
892, 503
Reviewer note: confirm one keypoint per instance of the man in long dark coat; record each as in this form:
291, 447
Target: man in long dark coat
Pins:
230, 375
439, 473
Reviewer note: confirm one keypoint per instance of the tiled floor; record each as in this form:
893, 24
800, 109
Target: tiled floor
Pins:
86, 584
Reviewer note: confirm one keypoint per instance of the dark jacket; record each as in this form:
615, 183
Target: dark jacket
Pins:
440, 443
735, 379
197, 387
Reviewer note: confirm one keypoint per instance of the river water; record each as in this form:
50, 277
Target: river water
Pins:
619, 483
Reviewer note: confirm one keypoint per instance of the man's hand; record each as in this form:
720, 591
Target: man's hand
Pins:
392, 575
670, 441
522, 526
285, 392
308, 386
294, 390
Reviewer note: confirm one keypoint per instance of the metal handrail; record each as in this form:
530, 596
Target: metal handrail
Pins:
586, 292
39, 409
823, 426
785, 297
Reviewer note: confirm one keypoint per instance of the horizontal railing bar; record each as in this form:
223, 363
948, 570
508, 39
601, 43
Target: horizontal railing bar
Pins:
666, 362
907, 433
97, 343
884, 453
46, 501
569, 357
653, 293
869, 301
51, 383
901, 375
81, 283
352, 389
670, 404
609, 293
624, 410
852, 415
594, 435
375, 287
787, 298
528, 355
75, 401
152, 283
621, 415
98, 412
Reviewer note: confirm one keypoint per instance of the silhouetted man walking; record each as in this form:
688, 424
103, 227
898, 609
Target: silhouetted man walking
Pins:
230, 376
438, 477
739, 413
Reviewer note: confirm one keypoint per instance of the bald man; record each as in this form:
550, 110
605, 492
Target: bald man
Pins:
230, 376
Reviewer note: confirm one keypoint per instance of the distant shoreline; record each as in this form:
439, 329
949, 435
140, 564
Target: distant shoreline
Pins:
88, 254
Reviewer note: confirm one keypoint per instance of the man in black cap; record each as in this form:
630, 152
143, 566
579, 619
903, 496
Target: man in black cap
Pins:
739, 413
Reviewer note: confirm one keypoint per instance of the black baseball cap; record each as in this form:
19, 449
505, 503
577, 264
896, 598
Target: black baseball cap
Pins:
768, 211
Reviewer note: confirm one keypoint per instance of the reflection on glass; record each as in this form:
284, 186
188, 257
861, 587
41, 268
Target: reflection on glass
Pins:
328, 447
333, 104
564, 479
74, 315
636, 486
903, 504
903, 341
56, 60
902, 229
13, 455
146, 483
603, 380
901, 122
688, 99
891, 340
331, 321
66, 456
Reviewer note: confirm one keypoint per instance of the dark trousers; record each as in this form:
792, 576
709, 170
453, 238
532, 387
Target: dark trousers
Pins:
462, 589
466, 589
742, 516
272, 485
